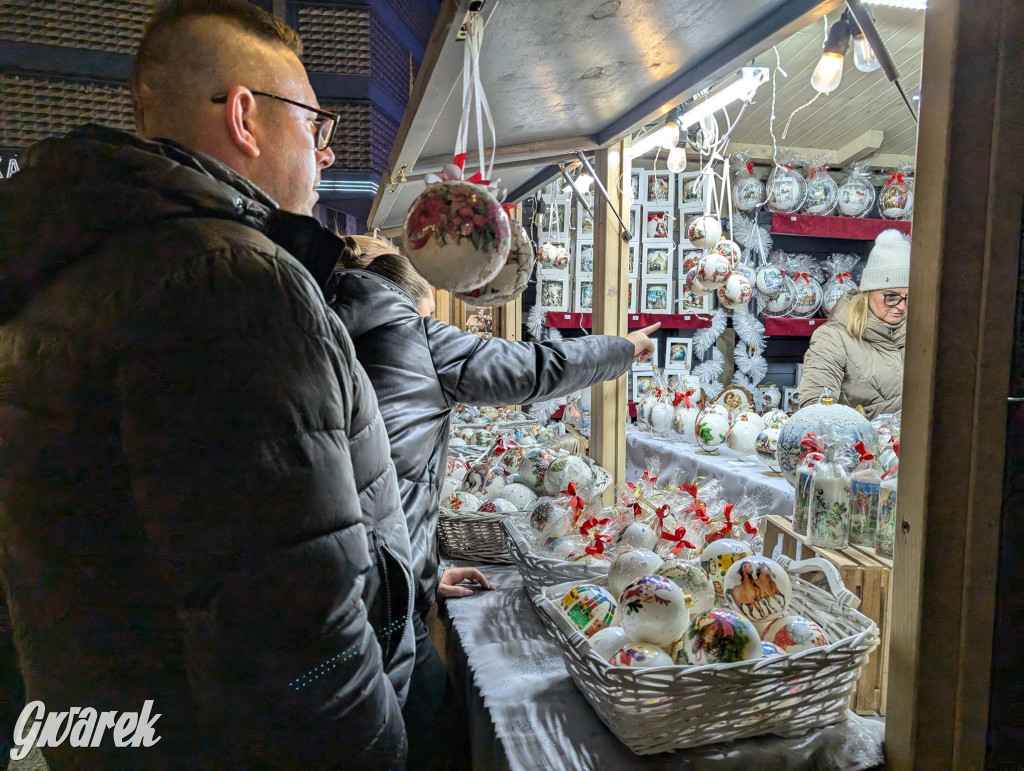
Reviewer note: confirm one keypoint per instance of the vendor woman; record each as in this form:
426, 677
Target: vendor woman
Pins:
858, 353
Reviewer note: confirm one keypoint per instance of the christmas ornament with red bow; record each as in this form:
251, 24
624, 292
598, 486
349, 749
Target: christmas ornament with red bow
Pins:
896, 201
840, 282
786, 187
748, 191
857, 194
807, 292
822, 195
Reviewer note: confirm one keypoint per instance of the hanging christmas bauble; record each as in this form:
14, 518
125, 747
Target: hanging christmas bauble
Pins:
806, 297
710, 430
896, 201
758, 588
511, 279
704, 232
736, 291
485, 480
457, 236
449, 486
747, 193
729, 249
834, 289
589, 608
782, 303
767, 445
652, 609
712, 271
562, 258
546, 253
776, 417
822, 195
786, 190
692, 285
769, 280
856, 196
689, 261
846, 424
721, 636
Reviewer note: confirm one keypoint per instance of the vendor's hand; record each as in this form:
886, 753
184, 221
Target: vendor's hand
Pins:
641, 342
449, 587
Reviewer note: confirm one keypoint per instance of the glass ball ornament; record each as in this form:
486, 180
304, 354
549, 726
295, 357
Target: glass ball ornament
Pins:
766, 445
652, 609
712, 271
640, 655
721, 636
792, 634
695, 583
758, 587
769, 280
845, 424
704, 232
856, 196
896, 201
807, 297
457, 236
822, 196
782, 303
550, 518
748, 193
786, 189
736, 292
566, 469
729, 249
710, 430
630, 565
511, 279
589, 608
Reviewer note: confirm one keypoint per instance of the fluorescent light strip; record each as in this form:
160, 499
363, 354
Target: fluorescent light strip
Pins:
348, 187
910, 5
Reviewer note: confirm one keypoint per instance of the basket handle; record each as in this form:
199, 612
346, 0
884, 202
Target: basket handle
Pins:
835, 581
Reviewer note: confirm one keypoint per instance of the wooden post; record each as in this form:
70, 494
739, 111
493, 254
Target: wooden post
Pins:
443, 305
609, 408
967, 220
509, 317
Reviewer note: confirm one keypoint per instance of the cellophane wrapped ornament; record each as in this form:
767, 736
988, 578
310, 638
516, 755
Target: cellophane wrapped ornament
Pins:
748, 192
828, 522
686, 411
786, 187
840, 281
896, 201
885, 530
857, 194
661, 414
822, 196
803, 496
807, 292
865, 491
513, 276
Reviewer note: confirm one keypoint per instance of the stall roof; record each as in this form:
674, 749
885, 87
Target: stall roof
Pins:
564, 75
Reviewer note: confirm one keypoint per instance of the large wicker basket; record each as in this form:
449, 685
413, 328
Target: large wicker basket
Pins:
473, 536
538, 571
670, 708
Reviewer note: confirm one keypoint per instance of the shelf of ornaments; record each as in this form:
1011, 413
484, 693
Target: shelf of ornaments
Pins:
560, 412
561, 320
848, 228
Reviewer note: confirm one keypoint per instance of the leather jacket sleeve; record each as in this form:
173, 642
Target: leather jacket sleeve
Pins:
497, 372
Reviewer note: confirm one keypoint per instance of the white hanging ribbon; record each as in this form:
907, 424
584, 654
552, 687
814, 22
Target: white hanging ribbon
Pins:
473, 94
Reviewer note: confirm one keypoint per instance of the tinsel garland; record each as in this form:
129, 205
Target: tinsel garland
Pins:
536, 321
754, 238
749, 329
543, 410
709, 371
753, 366
705, 338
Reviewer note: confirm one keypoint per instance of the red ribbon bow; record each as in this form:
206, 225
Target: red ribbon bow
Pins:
677, 538
591, 523
682, 397
598, 546
896, 448
728, 515
894, 177
637, 510
510, 209
805, 276
865, 456
810, 444
690, 488
460, 160
575, 501
750, 168
843, 276
648, 478
499, 446
662, 512
749, 528
788, 166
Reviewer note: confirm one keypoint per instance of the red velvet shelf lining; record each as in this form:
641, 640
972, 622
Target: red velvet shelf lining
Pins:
853, 228
562, 320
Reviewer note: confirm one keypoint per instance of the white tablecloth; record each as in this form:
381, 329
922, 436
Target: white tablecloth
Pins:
737, 475
526, 713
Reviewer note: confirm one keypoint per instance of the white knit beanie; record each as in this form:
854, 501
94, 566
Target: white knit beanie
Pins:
888, 264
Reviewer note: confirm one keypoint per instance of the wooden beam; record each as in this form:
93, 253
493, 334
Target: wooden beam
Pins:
959, 345
510, 315
763, 154
861, 147
609, 408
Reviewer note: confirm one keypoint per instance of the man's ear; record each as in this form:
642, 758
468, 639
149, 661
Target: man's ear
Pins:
239, 115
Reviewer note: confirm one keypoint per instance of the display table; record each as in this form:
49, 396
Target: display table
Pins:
526, 713
645, 451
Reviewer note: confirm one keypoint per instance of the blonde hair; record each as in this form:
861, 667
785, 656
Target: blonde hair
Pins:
857, 318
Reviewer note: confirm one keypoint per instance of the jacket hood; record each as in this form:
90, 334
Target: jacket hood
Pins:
365, 301
877, 331
74, 193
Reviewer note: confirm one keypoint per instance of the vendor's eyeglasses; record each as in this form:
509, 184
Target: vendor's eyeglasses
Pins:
894, 300
324, 125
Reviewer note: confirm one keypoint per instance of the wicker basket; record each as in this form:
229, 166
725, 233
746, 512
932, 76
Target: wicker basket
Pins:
670, 708
541, 572
473, 536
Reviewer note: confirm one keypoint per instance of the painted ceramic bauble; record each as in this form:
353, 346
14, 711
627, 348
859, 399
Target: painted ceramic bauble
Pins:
491, 413
689, 261
710, 430
566, 469
606, 642
769, 280
822, 195
660, 418
712, 271
691, 284
630, 565
792, 634
845, 423
512, 458
482, 437
782, 303
856, 196
833, 290
769, 649
589, 608
747, 193
549, 518
467, 434
519, 495
546, 253
806, 298
775, 418
457, 468
449, 486
511, 279
684, 422
758, 588
717, 408
896, 201
697, 588
497, 506
641, 656
704, 232
718, 556
766, 445
721, 636
485, 480
742, 434
547, 436
736, 291
592, 559
534, 467
527, 441
653, 609
638, 535
786, 189
749, 416
460, 500
456, 441
457, 236
567, 547
728, 249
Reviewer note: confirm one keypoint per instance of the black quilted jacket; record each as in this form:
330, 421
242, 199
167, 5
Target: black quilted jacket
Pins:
197, 504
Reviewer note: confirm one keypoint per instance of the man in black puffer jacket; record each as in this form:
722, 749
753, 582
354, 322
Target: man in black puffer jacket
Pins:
197, 504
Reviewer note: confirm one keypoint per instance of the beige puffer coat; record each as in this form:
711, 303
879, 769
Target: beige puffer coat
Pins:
866, 373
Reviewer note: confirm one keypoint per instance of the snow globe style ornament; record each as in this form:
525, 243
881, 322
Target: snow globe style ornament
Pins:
718, 556
589, 608
704, 232
652, 609
896, 201
748, 191
695, 583
819, 419
721, 636
511, 279
822, 195
710, 430
736, 292
758, 588
792, 634
857, 194
786, 189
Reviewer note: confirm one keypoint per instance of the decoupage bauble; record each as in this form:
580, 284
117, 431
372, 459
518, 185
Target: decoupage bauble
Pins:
758, 588
512, 458
466, 434
718, 556
704, 232
712, 271
806, 298
491, 413
792, 634
485, 480
567, 547
640, 655
736, 292
519, 495
629, 565
896, 201
546, 254
482, 437
785, 190
562, 258
457, 236
497, 506
697, 588
782, 303
456, 467
456, 441
547, 436
728, 249
653, 609
766, 445
710, 430
769, 649
694, 286
660, 418
856, 196
589, 608
511, 279
460, 500
721, 636
775, 418
822, 195
549, 518
769, 280
566, 469
833, 290
527, 442
606, 642
638, 535
747, 193
684, 422
717, 408
742, 434
847, 425
533, 468
449, 486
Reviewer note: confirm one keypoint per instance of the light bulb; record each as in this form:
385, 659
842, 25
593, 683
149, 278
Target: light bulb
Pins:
828, 73
583, 183
668, 135
864, 55
676, 160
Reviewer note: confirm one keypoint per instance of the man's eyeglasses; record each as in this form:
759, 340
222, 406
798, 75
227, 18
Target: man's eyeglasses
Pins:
325, 124
894, 300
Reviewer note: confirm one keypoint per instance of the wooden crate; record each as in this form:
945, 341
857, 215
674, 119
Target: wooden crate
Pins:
866, 575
